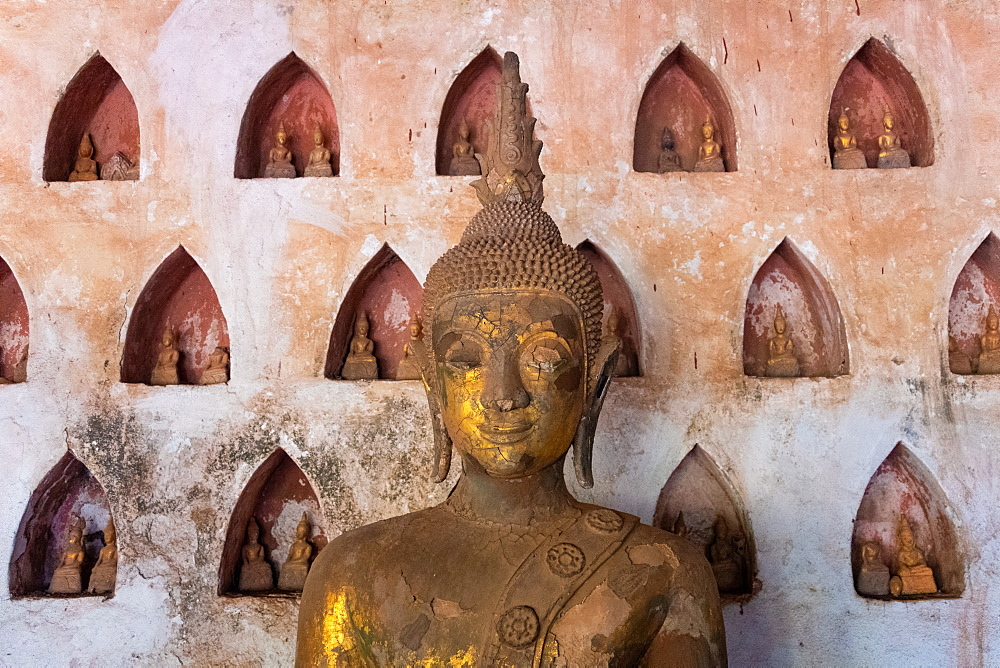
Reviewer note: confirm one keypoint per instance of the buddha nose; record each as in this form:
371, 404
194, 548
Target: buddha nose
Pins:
502, 387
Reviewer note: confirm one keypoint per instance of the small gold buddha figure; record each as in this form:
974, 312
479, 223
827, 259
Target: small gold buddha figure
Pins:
165, 371
86, 168
989, 344
958, 361
319, 157
669, 160
890, 153
218, 367
781, 360
724, 555
66, 579
710, 152
279, 164
296, 566
511, 570
409, 368
913, 575
119, 168
255, 572
846, 154
102, 578
873, 576
360, 363
463, 155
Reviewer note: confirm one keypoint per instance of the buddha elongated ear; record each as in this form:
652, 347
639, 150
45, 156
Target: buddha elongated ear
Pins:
583, 442
442, 441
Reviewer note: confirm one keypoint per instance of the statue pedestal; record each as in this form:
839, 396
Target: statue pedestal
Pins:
873, 583
102, 580
256, 577
785, 367
711, 165
293, 577
728, 576
319, 170
467, 166
279, 170
66, 581
894, 160
850, 160
989, 363
917, 582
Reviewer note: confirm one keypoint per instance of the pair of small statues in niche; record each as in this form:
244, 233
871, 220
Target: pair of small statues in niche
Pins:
118, 168
709, 153
68, 576
726, 552
847, 155
166, 371
913, 576
19, 373
988, 359
256, 574
280, 165
361, 363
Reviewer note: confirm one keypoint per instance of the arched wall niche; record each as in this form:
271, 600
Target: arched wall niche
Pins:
293, 94
700, 493
275, 496
13, 328
976, 290
617, 298
388, 293
902, 487
472, 98
872, 81
97, 103
814, 322
681, 94
178, 297
69, 490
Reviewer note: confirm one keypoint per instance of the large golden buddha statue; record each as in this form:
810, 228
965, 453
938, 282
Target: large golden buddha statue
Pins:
512, 570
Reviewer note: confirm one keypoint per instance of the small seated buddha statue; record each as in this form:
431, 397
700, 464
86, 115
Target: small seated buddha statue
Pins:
781, 360
891, 154
279, 164
102, 578
873, 576
958, 361
165, 371
255, 573
409, 368
218, 367
67, 579
724, 555
710, 152
913, 575
319, 157
360, 363
628, 362
86, 167
846, 154
511, 570
296, 566
463, 154
669, 160
989, 344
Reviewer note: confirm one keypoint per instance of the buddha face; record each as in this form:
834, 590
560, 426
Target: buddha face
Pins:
317, 137
510, 370
361, 327
282, 138
992, 321
707, 131
416, 329
779, 324
887, 122
843, 124
168, 339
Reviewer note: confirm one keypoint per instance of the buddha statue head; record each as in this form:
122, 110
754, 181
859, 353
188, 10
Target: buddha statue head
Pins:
86, 147
780, 325
110, 533
708, 130
416, 328
281, 136
317, 136
905, 535
463, 130
992, 320
844, 123
303, 528
168, 338
76, 534
887, 121
667, 142
361, 325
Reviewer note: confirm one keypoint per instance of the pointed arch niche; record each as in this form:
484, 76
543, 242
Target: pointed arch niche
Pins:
97, 103
275, 496
13, 328
872, 81
696, 497
178, 297
388, 293
472, 98
617, 298
293, 94
814, 322
903, 487
69, 490
681, 94
976, 289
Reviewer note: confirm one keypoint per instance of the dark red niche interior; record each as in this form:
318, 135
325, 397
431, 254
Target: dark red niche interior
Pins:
617, 295
276, 495
872, 81
180, 296
67, 491
976, 289
388, 292
903, 486
681, 94
13, 323
98, 103
813, 317
471, 97
293, 94
700, 490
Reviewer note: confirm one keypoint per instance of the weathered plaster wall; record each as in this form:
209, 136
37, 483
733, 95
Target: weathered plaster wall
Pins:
282, 254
